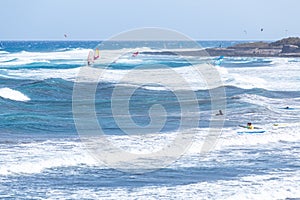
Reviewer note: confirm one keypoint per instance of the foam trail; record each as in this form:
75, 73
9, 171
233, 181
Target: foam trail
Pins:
74, 56
40, 74
43, 155
286, 73
11, 94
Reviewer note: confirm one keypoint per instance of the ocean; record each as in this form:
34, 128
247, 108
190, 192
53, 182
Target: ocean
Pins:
43, 123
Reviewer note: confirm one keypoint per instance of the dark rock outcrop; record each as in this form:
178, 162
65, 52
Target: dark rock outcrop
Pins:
287, 47
287, 41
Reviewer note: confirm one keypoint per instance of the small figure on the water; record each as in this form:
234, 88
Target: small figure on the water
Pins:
249, 126
219, 61
135, 54
220, 112
287, 107
90, 58
89, 63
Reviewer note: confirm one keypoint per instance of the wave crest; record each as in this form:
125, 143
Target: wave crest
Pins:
14, 95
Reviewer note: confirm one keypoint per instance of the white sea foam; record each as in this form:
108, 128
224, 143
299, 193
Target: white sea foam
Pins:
24, 57
281, 76
249, 187
277, 186
40, 74
271, 103
33, 158
273, 134
11, 94
232, 150
192, 78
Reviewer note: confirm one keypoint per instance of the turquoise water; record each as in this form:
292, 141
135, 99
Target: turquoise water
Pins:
42, 156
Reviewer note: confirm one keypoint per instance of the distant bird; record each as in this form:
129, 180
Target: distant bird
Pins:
261, 29
65, 35
245, 32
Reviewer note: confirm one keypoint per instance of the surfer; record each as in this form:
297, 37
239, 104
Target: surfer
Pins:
93, 55
219, 61
90, 58
220, 113
249, 126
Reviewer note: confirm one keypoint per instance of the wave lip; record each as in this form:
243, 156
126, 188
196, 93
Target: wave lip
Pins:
14, 95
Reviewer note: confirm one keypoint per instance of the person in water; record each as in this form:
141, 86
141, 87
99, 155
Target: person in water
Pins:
220, 112
249, 126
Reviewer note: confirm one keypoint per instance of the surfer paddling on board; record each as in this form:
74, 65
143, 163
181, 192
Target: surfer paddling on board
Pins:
249, 126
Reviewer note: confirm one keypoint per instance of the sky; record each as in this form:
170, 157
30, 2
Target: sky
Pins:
102, 19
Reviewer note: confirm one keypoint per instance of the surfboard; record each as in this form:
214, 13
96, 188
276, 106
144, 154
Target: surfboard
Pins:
287, 108
246, 127
251, 132
256, 130
280, 125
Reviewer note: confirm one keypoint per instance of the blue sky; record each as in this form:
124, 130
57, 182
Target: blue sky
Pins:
198, 19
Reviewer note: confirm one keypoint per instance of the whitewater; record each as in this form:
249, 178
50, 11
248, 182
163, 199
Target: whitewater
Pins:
42, 155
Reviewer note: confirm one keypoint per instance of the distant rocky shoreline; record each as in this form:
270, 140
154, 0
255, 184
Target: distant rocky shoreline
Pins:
287, 47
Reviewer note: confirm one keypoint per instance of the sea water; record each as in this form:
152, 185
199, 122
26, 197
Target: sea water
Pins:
43, 157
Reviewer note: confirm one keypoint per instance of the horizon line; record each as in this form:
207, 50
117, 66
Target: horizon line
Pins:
101, 40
